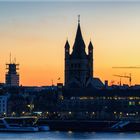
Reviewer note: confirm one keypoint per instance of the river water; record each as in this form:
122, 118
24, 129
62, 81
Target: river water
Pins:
57, 135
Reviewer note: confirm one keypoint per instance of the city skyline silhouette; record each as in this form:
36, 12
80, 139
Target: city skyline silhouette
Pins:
35, 33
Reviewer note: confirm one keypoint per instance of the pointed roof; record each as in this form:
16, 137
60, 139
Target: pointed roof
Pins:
79, 45
90, 46
67, 46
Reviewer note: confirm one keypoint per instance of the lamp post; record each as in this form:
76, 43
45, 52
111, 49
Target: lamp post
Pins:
31, 107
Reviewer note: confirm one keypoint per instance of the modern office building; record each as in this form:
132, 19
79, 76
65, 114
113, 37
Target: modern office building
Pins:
12, 76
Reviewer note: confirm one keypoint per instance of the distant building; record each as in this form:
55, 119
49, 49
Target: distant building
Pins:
79, 64
12, 76
3, 104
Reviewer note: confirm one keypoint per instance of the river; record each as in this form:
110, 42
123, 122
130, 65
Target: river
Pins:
57, 135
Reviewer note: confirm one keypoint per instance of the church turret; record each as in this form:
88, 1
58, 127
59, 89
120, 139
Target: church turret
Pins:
90, 50
67, 55
90, 55
67, 49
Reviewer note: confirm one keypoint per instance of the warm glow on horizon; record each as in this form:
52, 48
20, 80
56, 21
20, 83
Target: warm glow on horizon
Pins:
35, 33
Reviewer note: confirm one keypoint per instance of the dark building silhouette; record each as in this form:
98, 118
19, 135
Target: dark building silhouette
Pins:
12, 76
79, 64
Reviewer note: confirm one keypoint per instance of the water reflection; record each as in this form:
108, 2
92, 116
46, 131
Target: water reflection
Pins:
70, 135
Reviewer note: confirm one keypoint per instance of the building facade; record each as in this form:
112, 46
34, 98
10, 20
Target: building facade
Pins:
3, 104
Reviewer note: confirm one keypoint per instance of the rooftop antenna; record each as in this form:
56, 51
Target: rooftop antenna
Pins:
78, 19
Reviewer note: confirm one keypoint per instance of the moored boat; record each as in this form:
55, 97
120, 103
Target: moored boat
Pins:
16, 125
92, 125
21, 124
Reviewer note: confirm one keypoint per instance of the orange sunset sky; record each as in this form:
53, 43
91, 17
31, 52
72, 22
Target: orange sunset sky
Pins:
35, 33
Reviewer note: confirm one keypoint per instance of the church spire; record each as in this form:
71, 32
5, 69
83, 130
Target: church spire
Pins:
67, 49
79, 44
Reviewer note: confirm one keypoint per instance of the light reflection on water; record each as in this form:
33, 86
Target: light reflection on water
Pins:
57, 135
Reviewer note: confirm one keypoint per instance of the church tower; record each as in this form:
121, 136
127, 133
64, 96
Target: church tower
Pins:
78, 64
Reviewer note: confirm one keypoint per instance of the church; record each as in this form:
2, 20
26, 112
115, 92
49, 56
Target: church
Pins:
79, 65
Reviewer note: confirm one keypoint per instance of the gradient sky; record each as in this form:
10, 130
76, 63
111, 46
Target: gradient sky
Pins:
35, 33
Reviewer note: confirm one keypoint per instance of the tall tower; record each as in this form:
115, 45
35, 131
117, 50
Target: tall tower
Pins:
78, 64
12, 76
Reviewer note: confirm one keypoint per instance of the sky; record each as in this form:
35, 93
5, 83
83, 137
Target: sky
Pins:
35, 33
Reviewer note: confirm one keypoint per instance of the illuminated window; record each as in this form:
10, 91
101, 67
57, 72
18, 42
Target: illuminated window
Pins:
131, 103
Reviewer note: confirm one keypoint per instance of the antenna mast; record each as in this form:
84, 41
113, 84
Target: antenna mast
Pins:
78, 19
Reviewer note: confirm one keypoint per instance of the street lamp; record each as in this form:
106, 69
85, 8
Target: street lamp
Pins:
31, 107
